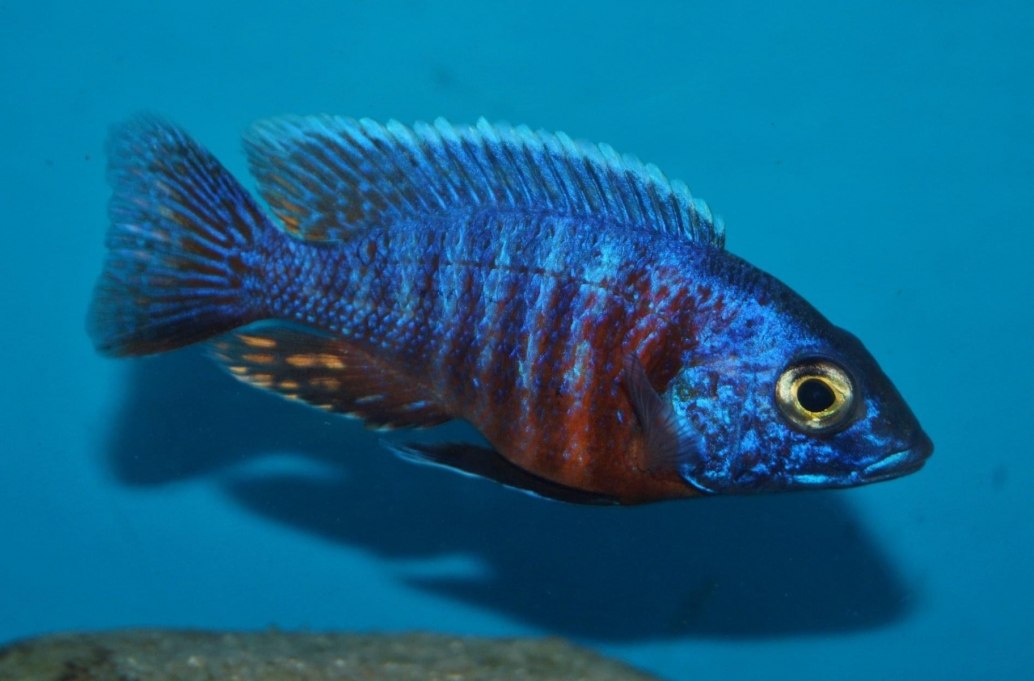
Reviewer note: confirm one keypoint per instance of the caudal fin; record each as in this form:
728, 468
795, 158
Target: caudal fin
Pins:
181, 243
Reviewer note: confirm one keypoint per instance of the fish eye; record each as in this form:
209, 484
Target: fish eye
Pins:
816, 395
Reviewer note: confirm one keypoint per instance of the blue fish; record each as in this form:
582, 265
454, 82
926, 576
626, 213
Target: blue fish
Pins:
573, 304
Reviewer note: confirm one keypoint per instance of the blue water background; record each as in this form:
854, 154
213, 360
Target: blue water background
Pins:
876, 155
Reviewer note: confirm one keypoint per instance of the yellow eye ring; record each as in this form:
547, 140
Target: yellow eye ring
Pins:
815, 395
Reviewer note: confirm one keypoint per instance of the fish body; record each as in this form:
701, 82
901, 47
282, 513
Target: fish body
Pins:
573, 305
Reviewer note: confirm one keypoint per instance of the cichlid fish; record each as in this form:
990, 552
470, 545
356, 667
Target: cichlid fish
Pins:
573, 304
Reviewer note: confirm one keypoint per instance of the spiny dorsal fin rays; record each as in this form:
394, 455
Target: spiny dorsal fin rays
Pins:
327, 177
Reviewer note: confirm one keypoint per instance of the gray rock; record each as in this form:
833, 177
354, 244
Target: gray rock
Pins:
153, 655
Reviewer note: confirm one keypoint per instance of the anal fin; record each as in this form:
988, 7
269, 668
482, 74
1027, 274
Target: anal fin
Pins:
328, 373
482, 462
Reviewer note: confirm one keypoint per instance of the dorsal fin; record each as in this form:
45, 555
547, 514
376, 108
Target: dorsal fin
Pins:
327, 177
327, 373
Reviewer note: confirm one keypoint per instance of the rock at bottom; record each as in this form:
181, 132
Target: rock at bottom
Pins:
159, 655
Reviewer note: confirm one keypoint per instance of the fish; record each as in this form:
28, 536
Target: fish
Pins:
573, 304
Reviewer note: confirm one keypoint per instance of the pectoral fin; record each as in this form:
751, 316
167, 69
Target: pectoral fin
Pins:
483, 462
671, 443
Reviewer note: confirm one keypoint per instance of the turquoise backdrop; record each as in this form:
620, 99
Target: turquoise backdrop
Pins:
877, 156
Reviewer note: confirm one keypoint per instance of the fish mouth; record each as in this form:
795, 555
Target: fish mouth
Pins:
900, 463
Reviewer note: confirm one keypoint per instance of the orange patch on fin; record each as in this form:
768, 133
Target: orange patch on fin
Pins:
328, 383
258, 358
260, 380
256, 341
311, 360
301, 361
330, 374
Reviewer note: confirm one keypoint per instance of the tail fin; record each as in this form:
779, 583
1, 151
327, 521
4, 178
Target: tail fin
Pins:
180, 247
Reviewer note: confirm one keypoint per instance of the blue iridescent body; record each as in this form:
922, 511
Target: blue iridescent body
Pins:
574, 305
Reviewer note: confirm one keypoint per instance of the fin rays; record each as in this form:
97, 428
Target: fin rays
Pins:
326, 177
181, 230
482, 462
328, 373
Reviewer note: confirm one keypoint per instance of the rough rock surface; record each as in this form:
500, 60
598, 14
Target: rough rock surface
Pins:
153, 655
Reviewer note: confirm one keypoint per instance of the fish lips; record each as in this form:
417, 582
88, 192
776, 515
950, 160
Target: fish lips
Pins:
894, 465
901, 462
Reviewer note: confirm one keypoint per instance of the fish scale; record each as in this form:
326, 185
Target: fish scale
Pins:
573, 304
535, 340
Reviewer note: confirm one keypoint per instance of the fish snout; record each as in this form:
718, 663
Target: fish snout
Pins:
901, 462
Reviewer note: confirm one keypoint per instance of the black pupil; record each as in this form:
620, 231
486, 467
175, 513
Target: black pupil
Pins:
815, 396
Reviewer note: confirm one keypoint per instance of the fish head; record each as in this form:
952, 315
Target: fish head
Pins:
784, 400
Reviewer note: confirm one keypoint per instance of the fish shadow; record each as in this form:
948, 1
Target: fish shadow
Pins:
757, 567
